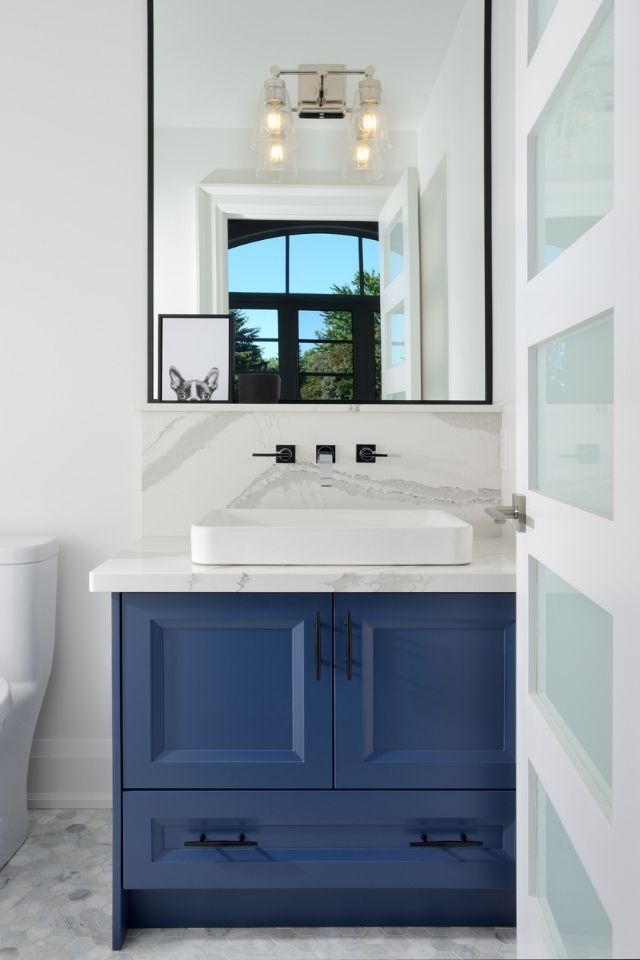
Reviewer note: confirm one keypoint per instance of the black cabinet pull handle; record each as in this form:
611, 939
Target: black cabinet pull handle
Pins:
203, 842
462, 842
348, 645
318, 645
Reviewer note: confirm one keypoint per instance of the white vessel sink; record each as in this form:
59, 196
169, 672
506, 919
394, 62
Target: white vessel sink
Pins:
296, 537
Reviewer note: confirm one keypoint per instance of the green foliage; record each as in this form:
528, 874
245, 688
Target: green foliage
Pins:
248, 352
338, 357
331, 357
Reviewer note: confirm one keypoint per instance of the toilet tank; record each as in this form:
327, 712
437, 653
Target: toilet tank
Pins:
28, 583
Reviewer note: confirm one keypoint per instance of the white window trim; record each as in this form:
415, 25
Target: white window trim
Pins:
217, 202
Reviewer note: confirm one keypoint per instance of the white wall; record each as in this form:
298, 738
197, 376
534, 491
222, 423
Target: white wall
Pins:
451, 132
72, 329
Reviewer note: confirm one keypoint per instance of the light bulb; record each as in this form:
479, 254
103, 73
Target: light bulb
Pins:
368, 124
274, 121
363, 155
276, 153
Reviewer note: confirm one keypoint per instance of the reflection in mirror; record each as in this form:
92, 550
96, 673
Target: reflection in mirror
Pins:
323, 306
312, 297
394, 250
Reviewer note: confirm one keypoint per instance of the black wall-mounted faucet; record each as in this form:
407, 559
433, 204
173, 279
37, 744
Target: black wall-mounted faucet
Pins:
326, 450
366, 453
285, 453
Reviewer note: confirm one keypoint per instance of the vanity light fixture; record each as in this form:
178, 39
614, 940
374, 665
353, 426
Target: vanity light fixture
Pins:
321, 95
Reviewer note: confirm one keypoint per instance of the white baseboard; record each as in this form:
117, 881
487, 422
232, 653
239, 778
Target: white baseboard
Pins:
69, 801
78, 747
70, 773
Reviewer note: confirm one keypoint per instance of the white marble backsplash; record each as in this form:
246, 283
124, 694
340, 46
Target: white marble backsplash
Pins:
198, 462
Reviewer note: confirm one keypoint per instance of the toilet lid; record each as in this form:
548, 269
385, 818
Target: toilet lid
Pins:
27, 549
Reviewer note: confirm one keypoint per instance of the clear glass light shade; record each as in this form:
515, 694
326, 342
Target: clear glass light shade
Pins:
370, 124
273, 138
368, 134
363, 160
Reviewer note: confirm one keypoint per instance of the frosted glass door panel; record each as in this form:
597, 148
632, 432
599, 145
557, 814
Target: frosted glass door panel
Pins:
571, 406
539, 15
572, 641
397, 344
571, 154
575, 914
395, 250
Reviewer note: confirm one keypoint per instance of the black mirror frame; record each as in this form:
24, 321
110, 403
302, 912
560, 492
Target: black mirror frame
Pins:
488, 252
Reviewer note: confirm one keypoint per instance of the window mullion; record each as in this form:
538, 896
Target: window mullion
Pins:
286, 264
364, 360
288, 348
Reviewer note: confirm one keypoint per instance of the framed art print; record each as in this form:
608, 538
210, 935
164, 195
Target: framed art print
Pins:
195, 357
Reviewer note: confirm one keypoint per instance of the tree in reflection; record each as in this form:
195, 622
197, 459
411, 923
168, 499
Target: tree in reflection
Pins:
333, 354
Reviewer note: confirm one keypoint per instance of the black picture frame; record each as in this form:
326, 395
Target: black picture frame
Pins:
192, 372
488, 232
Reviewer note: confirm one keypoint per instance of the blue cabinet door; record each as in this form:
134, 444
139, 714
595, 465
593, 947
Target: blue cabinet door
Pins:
424, 691
227, 691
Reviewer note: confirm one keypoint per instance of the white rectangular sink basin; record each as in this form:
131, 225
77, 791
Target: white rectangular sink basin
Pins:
312, 537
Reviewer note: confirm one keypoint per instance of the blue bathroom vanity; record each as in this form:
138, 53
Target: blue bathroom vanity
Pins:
326, 757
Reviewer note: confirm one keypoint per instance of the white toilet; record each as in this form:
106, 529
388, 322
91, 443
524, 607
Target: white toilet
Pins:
28, 580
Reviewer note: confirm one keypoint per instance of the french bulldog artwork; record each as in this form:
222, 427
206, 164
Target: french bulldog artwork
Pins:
194, 391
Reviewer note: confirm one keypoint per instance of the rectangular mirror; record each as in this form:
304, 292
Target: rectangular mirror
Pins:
338, 205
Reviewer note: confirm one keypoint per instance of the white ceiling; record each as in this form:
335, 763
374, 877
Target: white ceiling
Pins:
212, 56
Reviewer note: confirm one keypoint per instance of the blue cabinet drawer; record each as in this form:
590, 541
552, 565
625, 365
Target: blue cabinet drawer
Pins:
236, 840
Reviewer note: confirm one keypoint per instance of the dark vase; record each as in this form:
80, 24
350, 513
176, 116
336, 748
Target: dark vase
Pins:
259, 387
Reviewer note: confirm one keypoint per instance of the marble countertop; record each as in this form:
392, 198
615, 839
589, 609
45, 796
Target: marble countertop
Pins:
163, 565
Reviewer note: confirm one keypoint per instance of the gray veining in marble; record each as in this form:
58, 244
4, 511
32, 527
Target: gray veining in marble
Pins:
196, 434
55, 904
157, 564
198, 462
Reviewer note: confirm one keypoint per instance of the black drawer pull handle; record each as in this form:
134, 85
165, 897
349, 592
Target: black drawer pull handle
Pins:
203, 842
348, 645
318, 645
462, 842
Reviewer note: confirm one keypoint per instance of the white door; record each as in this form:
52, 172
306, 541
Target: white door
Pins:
400, 291
578, 381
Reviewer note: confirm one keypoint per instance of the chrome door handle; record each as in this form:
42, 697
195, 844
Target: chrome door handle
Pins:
517, 511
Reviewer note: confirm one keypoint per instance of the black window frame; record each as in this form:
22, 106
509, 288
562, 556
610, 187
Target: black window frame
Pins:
288, 305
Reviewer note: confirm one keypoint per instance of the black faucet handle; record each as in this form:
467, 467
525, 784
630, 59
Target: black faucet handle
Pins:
285, 453
366, 453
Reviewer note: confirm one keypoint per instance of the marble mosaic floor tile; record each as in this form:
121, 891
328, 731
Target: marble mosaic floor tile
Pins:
55, 904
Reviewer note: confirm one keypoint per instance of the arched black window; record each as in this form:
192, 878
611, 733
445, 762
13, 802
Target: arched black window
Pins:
306, 301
